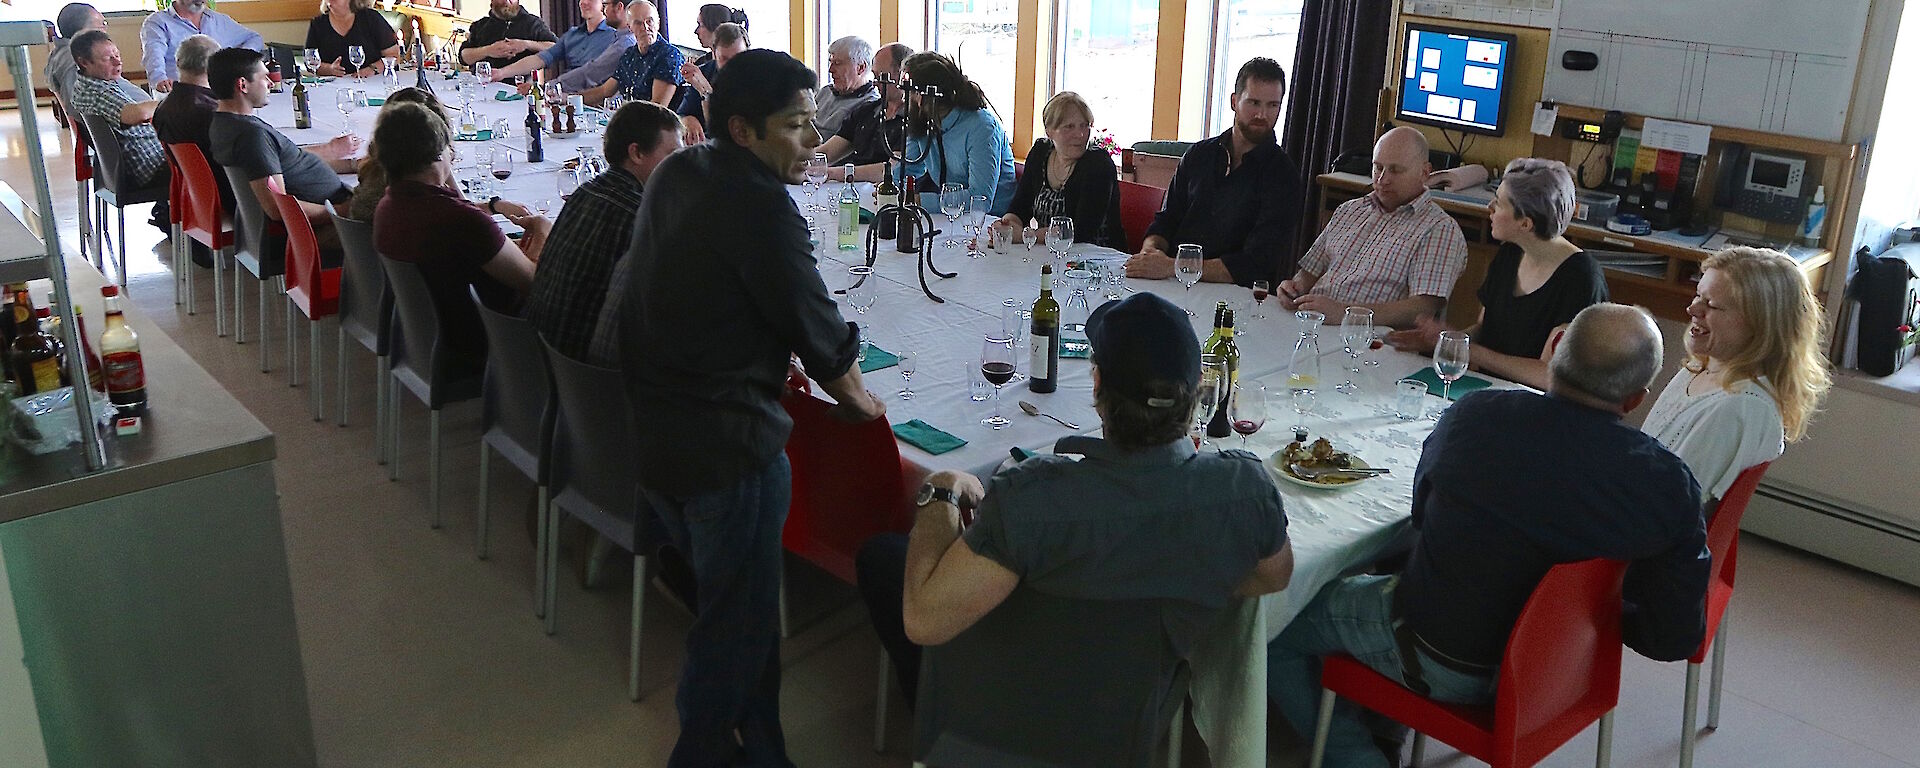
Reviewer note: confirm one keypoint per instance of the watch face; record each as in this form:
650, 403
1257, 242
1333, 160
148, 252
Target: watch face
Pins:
925, 496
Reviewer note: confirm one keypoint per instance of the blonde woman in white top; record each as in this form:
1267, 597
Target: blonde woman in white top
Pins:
1754, 373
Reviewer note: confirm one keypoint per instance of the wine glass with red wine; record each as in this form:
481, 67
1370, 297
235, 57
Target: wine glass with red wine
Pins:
1248, 410
503, 165
996, 366
1260, 289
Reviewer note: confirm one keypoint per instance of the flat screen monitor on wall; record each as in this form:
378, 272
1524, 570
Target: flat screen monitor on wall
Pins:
1455, 78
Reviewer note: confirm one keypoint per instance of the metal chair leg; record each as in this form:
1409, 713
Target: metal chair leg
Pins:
633, 639
1419, 754
480, 535
1603, 756
880, 697
239, 306
261, 287
85, 225
293, 370
382, 410
1321, 725
340, 368
220, 292
1689, 712
316, 381
1719, 669
551, 582
542, 509
123, 246
433, 466
174, 238
393, 426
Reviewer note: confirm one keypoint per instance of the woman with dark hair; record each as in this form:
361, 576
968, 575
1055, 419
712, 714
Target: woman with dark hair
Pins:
955, 138
1066, 178
344, 23
712, 15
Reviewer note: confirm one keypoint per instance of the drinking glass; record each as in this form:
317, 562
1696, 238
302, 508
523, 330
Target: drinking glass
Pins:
567, 181
1450, 363
390, 67
544, 206
1213, 377
1409, 399
816, 175
1247, 410
343, 101
978, 217
978, 390
1302, 398
520, 84
1117, 280
357, 56
483, 170
1033, 232
1187, 264
502, 129
312, 58
1059, 237
953, 201
997, 367
1375, 336
503, 164
909, 361
860, 288
1356, 332
483, 73
1260, 290
553, 93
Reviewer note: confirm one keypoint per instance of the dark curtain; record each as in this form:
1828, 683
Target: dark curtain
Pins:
560, 15
1338, 70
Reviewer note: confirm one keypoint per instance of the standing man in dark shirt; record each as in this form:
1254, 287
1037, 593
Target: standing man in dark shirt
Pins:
1235, 195
1575, 482
508, 33
703, 321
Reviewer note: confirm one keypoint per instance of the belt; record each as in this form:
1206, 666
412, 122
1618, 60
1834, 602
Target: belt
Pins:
1411, 645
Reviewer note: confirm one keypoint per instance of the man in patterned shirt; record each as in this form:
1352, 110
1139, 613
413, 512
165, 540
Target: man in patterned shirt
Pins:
652, 72
100, 91
594, 229
1393, 251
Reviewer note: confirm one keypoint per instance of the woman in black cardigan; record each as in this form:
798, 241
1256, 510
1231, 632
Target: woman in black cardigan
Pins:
1064, 179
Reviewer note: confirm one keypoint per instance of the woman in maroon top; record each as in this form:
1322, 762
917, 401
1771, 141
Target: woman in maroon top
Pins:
455, 243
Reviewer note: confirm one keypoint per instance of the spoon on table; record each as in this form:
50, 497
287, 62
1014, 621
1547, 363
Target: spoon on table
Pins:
1034, 410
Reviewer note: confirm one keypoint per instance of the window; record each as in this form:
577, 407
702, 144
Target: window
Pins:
1245, 29
979, 36
860, 18
768, 23
1107, 56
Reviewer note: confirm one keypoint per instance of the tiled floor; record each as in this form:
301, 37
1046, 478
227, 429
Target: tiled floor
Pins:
417, 654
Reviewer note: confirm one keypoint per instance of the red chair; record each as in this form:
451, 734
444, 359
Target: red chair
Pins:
176, 237
83, 178
312, 288
1561, 671
1138, 204
848, 486
1723, 540
204, 219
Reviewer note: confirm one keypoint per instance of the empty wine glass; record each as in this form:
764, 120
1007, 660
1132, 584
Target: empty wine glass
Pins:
357, 56
860, 288
953, 202
343, 101
483, 73
1117, 280
1188, 262
909, 361
1059, 238
1213, 380
1247, 410
1032, 235
1356, 331
312, 58
997, 367
816, 175
1302, 399
567, 180
390, 67
978, 215
1450, 363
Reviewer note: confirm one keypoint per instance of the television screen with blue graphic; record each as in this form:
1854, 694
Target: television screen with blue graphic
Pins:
1455, 78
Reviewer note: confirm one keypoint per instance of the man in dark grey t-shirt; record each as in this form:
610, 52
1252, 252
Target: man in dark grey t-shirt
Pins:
258, 152
1141, 515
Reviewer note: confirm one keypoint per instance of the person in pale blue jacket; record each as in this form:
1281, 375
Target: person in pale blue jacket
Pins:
971, 147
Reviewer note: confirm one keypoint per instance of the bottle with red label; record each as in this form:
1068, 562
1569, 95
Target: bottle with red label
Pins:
96, 377
120, 356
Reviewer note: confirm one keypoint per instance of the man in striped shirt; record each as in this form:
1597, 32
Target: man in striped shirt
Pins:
1394, 251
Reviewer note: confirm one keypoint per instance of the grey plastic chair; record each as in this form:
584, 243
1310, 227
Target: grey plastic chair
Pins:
516, 419
366, 315
425, 366
112, 186
593, 441
261, 251
1044, 681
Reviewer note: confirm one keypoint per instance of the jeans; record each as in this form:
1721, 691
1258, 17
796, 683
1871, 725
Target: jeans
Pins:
730, 683
1353, 616
881, 570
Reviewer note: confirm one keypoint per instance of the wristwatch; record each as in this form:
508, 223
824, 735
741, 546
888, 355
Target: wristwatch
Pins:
930, 493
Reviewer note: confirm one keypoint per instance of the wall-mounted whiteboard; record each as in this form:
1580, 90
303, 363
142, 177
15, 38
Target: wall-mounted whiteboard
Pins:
1781, 67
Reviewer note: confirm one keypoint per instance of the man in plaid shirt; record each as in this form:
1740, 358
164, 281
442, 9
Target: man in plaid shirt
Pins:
1394, 251
595, 227
99, 90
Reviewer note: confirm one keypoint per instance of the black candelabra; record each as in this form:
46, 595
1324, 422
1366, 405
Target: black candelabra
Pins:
908, 212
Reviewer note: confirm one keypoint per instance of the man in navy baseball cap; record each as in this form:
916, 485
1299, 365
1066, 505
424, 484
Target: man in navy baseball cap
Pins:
1144, 351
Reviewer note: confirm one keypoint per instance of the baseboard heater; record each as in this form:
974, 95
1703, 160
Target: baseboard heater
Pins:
1868, 538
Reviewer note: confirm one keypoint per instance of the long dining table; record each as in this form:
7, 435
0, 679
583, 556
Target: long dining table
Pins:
1334, 531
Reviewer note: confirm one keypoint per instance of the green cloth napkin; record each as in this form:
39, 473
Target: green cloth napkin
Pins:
926, 437
485, 134
1078, 349
877, 359
375, 101
315, 80
507, 96
1466, 383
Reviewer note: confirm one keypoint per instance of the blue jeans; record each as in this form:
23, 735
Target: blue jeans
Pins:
1353, 616
730, 683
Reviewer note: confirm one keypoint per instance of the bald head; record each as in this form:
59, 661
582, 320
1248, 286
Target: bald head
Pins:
1400, 167
1609, 354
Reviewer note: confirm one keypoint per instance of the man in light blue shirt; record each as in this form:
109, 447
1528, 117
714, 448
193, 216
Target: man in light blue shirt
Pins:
162, 32
603, 26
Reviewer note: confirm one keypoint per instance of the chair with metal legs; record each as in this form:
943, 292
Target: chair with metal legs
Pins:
180, 251
83, 160
366, 315
1723, 540
424, 365
312, 287
262, 253
112, 185
516, 419
203, 219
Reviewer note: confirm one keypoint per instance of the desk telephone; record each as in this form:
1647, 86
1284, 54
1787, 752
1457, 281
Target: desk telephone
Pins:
1762, 184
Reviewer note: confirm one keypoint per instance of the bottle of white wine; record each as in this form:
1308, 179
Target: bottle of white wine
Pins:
1228, 354
1043, 369
849, 214
302, 110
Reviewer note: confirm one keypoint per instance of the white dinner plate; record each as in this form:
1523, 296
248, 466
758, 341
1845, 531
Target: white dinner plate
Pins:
1278, 467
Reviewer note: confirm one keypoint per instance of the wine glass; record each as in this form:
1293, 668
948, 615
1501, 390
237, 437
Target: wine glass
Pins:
996, 366
1213, 377
482, 73
1032, 235
1375, 336
977, 217
1187, 265
1117, 280
1260, 290
816, 176
312, 57
482, 170
1059, 237
1356, 332
860, 289
909, 361
1302, 399
357, 56
503, 164
1450, 363
953, 201
390, 67
567, 180
1248, 410
343, 101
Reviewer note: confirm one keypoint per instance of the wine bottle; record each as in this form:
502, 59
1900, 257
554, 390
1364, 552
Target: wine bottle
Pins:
1043, 370
849, 214
907, 222
35, 354
1228, 353
535, 152
126, 374
274, 78
302, 111
96, 378
885, 195
420, 58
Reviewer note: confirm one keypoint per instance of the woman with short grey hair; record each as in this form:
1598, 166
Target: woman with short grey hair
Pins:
1537, 282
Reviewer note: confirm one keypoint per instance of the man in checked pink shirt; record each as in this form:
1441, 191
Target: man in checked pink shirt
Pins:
1393, 251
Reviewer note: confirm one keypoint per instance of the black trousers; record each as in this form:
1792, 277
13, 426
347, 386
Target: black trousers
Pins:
881, 569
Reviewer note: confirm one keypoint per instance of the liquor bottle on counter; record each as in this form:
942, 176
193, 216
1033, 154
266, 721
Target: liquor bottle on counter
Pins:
1228, 353
535, 152
849, 214
907, 223
302, 110
7, 331
96, 378
35, 354
1043, 368
126, 374
886, 194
